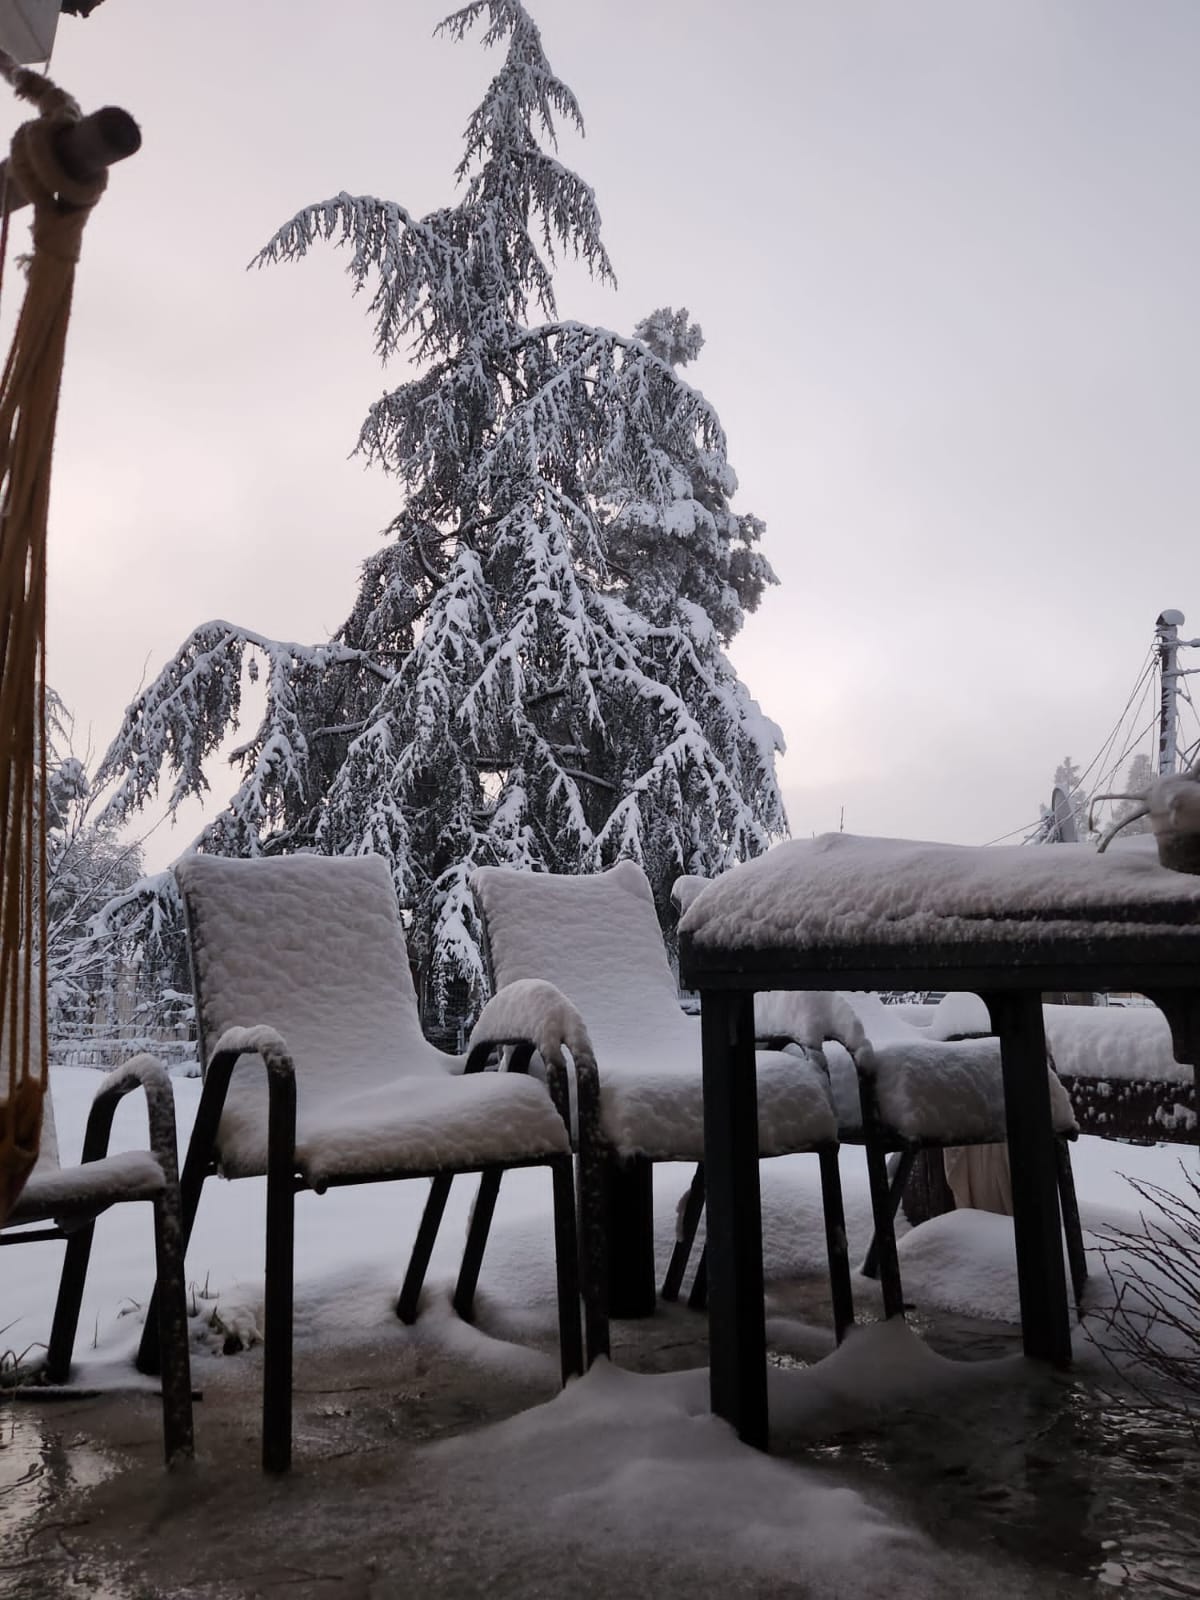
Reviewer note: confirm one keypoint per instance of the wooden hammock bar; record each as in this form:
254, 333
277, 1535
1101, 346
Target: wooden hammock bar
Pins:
86, 149
58, 164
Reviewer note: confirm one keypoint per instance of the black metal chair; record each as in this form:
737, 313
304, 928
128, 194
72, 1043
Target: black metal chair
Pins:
317, 1073
63, 1203
900, 1092
595, 940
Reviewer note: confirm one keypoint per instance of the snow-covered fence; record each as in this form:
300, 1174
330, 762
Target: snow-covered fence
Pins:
103, 1045
1119, 1068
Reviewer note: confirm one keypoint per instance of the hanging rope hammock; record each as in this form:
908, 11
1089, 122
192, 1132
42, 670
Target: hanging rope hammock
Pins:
62, 196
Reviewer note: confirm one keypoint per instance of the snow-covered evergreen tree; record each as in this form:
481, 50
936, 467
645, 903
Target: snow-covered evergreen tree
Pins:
533, 671
88, 864
1137, 781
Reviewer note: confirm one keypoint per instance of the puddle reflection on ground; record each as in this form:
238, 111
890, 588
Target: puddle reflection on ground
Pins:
1057, 1477
39, 1554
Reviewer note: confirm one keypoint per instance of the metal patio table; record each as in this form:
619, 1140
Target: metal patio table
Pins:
1152, 949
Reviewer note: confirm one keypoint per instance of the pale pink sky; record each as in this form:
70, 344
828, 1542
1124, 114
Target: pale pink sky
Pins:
945, 255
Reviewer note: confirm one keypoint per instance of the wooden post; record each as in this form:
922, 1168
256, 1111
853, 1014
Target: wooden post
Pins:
85, 149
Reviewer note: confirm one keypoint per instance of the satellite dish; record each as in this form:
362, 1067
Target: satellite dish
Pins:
1064, 830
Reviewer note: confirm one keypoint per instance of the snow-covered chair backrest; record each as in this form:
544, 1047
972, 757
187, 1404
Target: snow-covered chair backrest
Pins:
595, 937
313, 947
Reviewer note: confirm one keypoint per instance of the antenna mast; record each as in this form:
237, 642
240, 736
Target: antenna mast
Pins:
1166, 631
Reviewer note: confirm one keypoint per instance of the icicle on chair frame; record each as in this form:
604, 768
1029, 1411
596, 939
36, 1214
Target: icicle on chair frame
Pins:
596, 943
317, 1074
58, 164
69, 1199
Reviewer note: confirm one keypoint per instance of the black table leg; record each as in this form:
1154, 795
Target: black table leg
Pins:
1045, 1319
736, 1319
629, 1226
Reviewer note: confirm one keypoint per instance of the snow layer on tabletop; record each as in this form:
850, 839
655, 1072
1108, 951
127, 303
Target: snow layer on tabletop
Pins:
635, 1462
312, 947
597, 940
843, 889
1116, 1042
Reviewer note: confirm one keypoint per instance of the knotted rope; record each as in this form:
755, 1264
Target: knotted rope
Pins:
29, 392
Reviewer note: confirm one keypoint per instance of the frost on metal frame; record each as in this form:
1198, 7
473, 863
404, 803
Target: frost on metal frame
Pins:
533, 672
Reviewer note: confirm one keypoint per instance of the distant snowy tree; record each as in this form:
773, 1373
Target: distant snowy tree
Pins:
1137, 780
88, 863
533, 671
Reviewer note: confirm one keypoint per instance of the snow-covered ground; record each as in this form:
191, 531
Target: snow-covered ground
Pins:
352, 1244
662, 1478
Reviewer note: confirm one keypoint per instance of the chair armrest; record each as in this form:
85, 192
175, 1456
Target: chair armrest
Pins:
141, 1072
227, 1053
264, 1042
808, 1018
533, 1015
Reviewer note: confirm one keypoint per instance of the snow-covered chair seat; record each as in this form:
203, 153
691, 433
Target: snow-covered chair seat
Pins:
940, 1084
300, 968
597, 941
901, 1089
60, 1202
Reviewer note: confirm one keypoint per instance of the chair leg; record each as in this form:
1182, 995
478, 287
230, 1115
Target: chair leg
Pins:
899, 1169
835, 1244
66, 1307
566, 1258
178, 1439
689, 1222
149, 1354
629, 1222
698, 1299
593, 1245
197, 1166
277, 1320
885, 1233
431, 1218
477, 1237
1072, 1227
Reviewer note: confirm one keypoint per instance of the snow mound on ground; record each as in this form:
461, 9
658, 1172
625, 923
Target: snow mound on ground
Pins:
965, 1261
631, 1463
621, 1458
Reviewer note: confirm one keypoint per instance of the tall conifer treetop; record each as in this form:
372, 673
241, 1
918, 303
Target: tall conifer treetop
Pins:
533, 671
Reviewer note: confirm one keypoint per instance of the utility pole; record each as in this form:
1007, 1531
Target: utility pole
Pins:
1166, 631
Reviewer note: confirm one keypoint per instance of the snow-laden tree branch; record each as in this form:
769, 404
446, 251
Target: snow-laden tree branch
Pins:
533, 671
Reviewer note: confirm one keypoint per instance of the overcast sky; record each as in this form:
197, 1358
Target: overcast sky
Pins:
945, 253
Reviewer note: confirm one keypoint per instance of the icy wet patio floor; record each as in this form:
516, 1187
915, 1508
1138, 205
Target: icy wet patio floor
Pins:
1066, 1493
